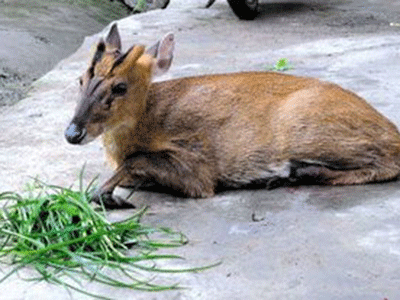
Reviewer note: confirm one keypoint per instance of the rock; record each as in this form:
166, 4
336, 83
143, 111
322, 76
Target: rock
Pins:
145, 5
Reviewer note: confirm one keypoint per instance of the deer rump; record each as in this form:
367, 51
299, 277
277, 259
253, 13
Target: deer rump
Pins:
196, 135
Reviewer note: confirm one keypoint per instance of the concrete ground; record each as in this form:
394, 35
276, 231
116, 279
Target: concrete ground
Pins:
36, 34
290, 243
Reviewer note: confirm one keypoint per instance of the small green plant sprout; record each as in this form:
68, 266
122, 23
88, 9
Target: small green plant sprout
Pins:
280, 66
140, 6
57, 232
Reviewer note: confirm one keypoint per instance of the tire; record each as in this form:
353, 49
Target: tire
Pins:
244, 9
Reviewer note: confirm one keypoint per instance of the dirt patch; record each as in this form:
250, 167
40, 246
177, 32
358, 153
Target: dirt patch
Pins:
12, 86
330, 18
37, 34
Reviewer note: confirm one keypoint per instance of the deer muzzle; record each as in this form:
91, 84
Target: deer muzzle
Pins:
75, 133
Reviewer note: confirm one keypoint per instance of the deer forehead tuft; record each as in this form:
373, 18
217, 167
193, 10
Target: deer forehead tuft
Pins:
104, 67
115, 62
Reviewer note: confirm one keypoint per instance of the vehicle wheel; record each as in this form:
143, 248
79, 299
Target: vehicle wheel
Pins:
244, 9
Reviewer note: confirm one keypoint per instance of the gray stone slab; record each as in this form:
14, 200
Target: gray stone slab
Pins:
290, 243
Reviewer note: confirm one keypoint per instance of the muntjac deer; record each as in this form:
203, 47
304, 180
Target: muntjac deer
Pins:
194, 135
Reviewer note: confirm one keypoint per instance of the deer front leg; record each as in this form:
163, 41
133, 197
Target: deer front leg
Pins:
104, 193
187, 174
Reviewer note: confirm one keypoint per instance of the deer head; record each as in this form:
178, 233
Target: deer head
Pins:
113, 89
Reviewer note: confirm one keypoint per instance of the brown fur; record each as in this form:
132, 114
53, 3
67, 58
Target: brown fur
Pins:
193, 134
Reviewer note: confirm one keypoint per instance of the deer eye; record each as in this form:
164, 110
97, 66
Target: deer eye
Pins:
80, 81
120, 89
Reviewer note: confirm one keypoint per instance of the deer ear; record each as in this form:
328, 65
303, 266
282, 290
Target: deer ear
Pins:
113, 39
163, 52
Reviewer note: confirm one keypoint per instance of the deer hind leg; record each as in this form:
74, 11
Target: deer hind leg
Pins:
188, 176
383, 170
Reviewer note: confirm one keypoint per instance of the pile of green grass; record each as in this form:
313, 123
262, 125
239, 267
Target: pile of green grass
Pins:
58, 233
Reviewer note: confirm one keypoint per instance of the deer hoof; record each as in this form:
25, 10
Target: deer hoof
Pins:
109, 201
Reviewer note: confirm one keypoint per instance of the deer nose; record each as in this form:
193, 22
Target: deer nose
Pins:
74, 134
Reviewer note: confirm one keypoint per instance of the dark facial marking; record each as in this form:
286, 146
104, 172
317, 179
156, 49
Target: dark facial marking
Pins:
121, 59
101, 48
93, 85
